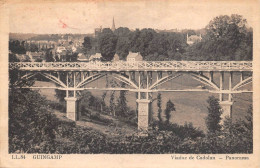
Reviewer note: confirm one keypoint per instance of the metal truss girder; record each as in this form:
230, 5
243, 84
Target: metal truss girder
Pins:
27, 76
54, 79
164, 79
230, 91
90, 79
78, 78
136, 66
124, 79
205, 81
243, 83
70, 79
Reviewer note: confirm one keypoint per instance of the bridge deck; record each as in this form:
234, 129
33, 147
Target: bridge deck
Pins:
135, 66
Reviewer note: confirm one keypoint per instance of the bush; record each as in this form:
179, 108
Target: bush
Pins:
61, 106
214, 115
185, 131
31, 126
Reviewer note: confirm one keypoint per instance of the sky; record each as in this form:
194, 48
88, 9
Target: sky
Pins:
84, 17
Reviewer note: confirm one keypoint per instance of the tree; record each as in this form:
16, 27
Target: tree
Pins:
57, 59
225, 26
89, 103
227, 38
61, 94
122, 47
74, 57
107, 41
158, 46
146, 36
104, 96
238, 135
33, 47
17, 47
214, 115
87, 43
13, 58
112, 103
135, 42
49, 56
122, 32
159, 105
31, 126
169, 108
226, 35
38, 60
122, 103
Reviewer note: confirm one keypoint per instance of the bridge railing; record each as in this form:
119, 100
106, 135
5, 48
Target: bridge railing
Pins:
137, 65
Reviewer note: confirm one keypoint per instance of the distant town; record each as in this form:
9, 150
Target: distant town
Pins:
86, 47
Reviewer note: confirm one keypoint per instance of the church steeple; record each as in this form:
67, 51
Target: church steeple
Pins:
113, 28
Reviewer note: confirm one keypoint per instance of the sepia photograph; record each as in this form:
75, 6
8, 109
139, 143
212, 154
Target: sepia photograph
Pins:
134, 77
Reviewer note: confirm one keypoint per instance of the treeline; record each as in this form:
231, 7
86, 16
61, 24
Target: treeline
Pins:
226, 38
20, 47
150, 44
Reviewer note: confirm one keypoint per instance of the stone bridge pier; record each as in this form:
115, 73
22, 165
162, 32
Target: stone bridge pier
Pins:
226, 105
143, 114
72, 111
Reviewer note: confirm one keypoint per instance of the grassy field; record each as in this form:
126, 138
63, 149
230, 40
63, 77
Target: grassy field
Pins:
190, 106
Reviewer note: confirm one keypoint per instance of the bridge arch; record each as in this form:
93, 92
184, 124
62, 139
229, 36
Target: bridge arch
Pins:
195, 75
116, 75
52, 78
243, 83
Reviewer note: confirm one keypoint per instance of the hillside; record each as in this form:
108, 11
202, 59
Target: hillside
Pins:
21, 36
47, 37
190, 106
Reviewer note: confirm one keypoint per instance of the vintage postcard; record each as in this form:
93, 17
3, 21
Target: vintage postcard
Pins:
129, 83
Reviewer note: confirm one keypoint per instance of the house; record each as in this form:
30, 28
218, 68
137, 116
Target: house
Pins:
134, 57
60, 49
35, 55
82, 57
62, 56
193, 39
96, 57
23, 57
74, 49
116, 58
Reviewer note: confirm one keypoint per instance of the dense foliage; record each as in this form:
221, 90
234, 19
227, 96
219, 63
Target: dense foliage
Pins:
224, 38
169, 108
107, 44
214, 115
159, 105
17, 47
151, 45
87, 43
30, 125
